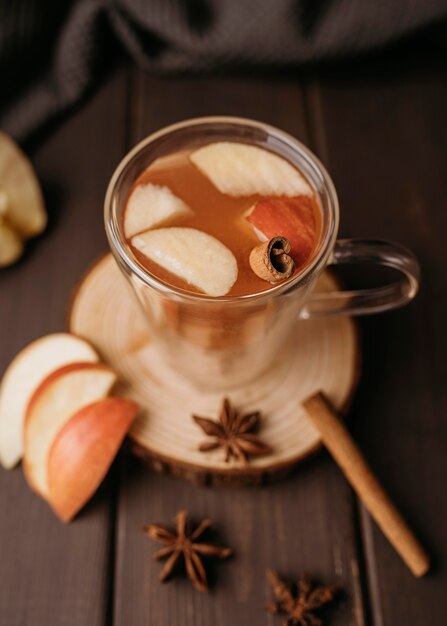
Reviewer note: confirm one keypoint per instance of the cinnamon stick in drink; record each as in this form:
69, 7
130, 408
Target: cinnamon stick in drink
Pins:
348, 456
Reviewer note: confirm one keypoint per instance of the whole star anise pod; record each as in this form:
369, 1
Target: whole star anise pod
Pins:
183, 543
234, 433
298, 608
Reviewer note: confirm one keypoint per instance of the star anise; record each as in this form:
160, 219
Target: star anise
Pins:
183, 543
234, 433
298, 608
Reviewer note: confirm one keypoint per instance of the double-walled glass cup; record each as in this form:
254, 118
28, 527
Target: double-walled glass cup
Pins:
224, 342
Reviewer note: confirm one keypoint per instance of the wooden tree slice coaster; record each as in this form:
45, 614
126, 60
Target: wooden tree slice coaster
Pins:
323, 355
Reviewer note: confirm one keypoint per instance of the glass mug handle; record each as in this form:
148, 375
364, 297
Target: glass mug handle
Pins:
366, 301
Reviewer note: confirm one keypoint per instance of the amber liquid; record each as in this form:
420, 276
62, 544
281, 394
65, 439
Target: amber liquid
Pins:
215, 213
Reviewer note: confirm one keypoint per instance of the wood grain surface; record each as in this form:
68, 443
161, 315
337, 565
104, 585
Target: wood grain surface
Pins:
381, 131
322, 354
51, 573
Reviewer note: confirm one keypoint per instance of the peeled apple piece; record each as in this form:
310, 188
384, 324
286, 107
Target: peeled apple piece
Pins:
196, 257
11, 246
150, 205
21, 201
239, 169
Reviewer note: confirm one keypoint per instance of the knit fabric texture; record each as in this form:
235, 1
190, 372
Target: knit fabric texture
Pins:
52, 54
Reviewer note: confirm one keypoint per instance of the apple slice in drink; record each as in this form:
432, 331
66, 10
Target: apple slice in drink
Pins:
196, 257
239, 169
293, 218
22, 377
58, 397
83, 451
150, 205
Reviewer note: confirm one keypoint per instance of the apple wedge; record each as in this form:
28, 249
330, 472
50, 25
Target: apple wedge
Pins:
293, 218
24, 374
57, 398
196, 257
150, 205
22, 201
83, 451
11, 246
239, 169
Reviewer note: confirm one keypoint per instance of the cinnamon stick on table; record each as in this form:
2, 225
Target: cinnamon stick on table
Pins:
346, 453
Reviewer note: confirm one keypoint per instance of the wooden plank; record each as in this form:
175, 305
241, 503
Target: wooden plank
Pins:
386, 146
302, 524
49, 572
164, 101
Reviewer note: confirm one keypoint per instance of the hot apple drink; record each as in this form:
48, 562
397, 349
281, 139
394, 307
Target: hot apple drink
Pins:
225, 219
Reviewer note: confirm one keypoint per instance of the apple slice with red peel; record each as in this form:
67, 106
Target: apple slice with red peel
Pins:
239, 169
83, 451
22, 377
58, 397
196, 257
293, 218
150, 205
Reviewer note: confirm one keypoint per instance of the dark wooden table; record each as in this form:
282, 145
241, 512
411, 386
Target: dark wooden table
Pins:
381, 130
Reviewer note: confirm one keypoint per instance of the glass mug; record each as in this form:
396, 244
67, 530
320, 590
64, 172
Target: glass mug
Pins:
220, 343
